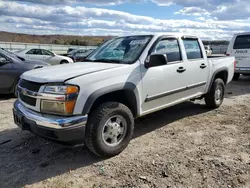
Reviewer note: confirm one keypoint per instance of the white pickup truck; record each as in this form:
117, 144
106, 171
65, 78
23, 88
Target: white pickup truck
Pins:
95, 102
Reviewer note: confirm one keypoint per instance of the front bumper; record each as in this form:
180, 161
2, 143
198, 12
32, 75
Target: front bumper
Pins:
68, 131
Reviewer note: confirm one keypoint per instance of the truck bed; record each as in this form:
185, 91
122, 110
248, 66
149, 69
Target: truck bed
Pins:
215, 56
221, 62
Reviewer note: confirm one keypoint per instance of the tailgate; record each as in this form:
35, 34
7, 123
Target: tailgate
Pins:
242, 58
241, 51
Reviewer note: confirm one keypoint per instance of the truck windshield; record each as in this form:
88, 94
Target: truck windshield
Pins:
124, 50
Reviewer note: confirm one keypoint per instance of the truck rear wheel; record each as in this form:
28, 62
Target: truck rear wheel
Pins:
110, 129
236, 76
215, 96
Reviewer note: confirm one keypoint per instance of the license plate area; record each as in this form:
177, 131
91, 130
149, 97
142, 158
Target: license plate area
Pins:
20, 121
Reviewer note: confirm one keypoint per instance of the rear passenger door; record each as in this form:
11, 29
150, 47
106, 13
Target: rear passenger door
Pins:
46, 54
197, 67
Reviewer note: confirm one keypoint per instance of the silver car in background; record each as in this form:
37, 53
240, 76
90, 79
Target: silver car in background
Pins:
45, 55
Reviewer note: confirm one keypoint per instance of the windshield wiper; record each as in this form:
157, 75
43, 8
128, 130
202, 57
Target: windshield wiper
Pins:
108, 60
88, 60
21, 58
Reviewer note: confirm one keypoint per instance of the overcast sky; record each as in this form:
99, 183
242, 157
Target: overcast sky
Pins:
210, 19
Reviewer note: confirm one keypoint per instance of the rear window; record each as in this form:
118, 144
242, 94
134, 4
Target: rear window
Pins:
193, 49
242, 42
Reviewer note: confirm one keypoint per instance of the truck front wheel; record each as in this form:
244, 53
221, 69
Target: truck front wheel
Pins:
215, 96
110, 129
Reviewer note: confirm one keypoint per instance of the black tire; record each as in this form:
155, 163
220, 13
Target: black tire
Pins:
236, 76
95, 126
212, 98
64, 62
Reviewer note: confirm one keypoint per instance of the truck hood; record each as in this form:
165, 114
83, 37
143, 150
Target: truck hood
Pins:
61, 73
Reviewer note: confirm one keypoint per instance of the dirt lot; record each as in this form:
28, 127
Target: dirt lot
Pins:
183, 146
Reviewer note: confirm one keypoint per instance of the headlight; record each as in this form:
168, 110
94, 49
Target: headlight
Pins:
63, 89
63, 102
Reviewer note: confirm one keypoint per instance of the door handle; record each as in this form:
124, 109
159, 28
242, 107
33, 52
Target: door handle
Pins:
181, 70
203, 66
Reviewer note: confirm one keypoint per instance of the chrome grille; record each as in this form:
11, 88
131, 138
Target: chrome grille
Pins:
28, 100
30, 86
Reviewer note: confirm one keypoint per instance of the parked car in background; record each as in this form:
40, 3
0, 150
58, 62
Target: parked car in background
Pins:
239, 47
26, 60
11, 68
208, 50
71, 49
46, 55
95, 103
79, 54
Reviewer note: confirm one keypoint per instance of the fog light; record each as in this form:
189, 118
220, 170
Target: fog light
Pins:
57, 107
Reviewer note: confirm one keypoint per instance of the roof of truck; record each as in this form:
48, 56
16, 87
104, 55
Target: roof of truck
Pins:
175, 34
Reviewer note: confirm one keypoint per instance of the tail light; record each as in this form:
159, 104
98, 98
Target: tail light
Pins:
227, 54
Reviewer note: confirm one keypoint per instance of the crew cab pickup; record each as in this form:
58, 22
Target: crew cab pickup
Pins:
95, 102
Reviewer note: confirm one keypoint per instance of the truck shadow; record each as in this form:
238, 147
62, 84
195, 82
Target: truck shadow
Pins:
27, 159
4, 97
164, 117
237, 88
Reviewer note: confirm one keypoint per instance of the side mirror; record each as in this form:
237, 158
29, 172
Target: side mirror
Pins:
4, 61
156, 60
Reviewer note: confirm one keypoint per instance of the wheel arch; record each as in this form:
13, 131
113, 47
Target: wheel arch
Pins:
126, 94
220, 73
64, 60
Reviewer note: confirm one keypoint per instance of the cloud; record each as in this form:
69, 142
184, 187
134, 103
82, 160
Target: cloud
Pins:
81, 20
70, 2
222, 10
193, 11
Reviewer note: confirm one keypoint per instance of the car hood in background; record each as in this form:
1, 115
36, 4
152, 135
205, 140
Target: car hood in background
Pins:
36, 62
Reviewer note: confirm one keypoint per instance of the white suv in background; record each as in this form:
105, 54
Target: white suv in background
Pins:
239, 47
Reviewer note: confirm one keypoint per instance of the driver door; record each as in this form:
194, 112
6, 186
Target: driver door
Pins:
164, 85
7, 74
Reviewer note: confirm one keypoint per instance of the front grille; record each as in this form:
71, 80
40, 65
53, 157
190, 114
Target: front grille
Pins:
27, 100
32, 86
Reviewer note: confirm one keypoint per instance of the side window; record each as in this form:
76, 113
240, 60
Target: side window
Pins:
35, 52
193, 49
170, 47
31, 51
46, 52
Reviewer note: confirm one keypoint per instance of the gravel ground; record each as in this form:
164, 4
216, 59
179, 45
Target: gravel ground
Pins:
183, 146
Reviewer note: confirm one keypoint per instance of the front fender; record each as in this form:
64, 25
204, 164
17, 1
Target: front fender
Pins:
109, 89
